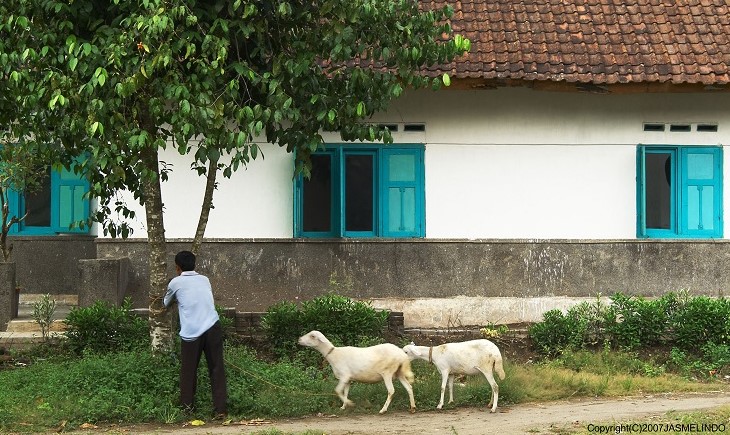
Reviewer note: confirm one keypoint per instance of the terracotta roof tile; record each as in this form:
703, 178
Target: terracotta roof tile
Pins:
593, 41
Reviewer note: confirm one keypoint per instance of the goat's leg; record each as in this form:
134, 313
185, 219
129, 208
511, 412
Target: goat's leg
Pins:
444, 379
487, 372
342, 389
409, 389
388, 380
451, 388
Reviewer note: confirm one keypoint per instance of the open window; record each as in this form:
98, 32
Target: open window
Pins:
362, 191
55, 207
679, 192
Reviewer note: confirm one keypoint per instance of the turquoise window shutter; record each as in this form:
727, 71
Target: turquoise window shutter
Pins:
68, 202
402, 192
701, 192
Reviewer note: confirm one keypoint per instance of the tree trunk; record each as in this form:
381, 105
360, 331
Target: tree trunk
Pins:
206, 206
159, 318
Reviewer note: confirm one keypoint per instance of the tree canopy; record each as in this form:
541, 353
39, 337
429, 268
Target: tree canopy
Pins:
107, 84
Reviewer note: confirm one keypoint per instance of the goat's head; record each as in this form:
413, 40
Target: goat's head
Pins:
312, 339
411, 350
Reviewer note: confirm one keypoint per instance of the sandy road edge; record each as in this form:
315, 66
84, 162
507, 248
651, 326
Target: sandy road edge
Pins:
532, 418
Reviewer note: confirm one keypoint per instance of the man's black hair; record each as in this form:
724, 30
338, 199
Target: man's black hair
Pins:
185, 260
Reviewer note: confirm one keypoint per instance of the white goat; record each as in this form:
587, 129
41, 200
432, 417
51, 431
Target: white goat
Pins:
465, 358
364, 364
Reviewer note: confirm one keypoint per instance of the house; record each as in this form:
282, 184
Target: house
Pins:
579, 150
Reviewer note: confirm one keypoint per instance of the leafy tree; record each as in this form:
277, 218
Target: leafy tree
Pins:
121, 80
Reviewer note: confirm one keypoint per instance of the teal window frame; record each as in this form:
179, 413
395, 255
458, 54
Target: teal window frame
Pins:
694, 201
391, 193
69, 205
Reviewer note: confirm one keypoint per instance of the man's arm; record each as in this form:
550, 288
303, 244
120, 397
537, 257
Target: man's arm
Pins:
169, 297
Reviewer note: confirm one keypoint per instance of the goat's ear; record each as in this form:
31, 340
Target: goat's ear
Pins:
412, 343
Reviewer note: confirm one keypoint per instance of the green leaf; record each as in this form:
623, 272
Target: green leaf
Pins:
213, 154
72, 63
446, 79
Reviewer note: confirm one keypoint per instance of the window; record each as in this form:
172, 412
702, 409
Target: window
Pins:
679, 192
362, 191
54, 207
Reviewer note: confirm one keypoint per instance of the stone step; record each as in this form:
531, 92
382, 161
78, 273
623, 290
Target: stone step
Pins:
25, 323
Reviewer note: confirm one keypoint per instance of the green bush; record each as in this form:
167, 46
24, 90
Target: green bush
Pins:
343, 320
701, 320
634, 322
228, 324
558, 332
103, 328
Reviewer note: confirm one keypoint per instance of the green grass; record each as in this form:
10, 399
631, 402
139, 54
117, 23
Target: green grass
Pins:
129, 388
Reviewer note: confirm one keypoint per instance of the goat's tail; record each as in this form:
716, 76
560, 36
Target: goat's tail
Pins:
404, 369
498, 366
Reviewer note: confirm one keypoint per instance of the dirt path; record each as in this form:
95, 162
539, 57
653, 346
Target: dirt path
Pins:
539, 418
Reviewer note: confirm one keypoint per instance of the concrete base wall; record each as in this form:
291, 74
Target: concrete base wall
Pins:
103, 279
8, 294
441, 283
49, 265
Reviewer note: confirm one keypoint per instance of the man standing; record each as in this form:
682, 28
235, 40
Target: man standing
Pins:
200, 331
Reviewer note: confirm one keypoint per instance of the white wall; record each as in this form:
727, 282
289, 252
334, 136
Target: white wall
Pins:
255, 202
506, 163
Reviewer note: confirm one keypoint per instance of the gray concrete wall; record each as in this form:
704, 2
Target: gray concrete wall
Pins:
50, 264
8, 294
253, 274
104, 279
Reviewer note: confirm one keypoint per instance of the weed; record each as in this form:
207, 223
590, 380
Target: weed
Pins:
43, 312
492, 331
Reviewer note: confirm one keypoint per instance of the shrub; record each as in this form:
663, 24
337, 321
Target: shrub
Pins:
103, 328
632, 322
558, 332
701, 320
228, 324
342, 320
282, 325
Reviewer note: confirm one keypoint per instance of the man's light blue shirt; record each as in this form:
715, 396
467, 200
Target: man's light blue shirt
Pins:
195, 303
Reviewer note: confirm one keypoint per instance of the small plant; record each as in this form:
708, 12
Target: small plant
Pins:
43, 312
491, 331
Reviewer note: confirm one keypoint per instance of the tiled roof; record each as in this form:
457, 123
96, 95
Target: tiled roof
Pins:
593, 41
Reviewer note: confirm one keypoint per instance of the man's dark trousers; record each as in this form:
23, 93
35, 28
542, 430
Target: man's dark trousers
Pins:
210, 343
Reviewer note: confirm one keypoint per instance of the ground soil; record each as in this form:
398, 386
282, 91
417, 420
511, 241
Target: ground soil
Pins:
538, 418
